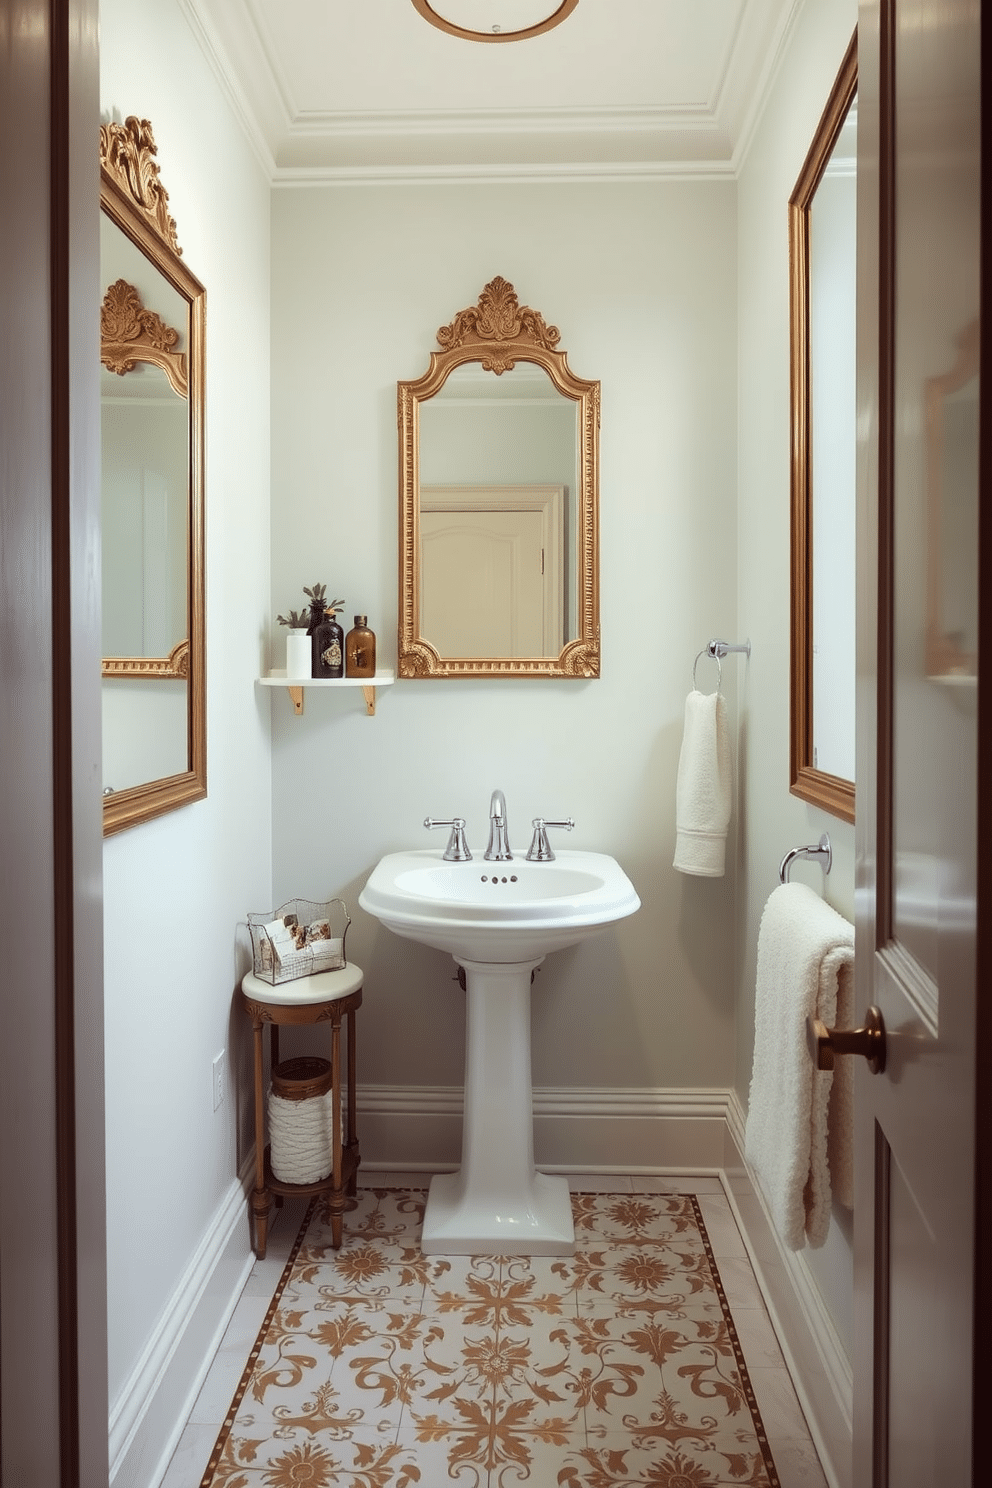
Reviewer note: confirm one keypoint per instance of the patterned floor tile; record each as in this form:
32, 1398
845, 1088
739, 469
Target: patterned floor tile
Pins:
612, 1368
627, 1461
498, 1292
626, 1219
354, 1459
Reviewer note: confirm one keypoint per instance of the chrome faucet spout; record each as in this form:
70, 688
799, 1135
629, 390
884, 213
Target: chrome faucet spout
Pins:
498, 850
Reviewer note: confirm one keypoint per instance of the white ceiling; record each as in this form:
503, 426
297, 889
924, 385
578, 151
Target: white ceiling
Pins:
367, 89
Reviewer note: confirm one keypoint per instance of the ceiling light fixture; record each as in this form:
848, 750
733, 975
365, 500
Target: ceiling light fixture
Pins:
495, 20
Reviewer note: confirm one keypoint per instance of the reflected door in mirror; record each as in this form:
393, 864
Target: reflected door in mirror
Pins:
491, 570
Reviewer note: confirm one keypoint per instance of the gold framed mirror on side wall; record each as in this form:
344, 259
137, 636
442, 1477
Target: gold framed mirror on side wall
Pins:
499, 502
152, 414
822, 272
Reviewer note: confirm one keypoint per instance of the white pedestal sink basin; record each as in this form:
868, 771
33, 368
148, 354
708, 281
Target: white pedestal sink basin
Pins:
498, 920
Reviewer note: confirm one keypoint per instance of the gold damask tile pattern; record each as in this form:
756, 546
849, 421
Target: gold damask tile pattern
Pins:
379, 1367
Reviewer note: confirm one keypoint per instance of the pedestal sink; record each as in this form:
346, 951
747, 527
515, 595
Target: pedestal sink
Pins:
498, 921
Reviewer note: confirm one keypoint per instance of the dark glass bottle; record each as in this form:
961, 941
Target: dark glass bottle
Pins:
316, 619
359, 650
328, 647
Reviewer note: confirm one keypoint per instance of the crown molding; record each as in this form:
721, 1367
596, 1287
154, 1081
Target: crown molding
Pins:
385, 147
262, 117
505, 121
578, 173
742, 107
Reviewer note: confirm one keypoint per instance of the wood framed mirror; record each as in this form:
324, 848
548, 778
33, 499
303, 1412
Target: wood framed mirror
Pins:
499, 502
822, 275
152, 420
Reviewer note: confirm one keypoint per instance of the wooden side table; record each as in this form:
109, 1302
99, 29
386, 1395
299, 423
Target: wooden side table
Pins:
327, 997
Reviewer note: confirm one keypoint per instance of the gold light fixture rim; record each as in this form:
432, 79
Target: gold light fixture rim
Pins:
561, 12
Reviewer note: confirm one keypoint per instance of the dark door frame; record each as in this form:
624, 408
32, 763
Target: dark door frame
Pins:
53, 1292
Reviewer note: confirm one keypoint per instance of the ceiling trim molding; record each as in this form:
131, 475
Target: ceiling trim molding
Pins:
599, 121
219, 62
620, 172
742, 116
724, 127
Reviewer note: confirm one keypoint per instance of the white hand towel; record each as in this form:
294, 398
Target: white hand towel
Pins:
805, 967
703, 787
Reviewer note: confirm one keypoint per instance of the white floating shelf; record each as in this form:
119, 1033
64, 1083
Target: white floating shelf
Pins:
295, 685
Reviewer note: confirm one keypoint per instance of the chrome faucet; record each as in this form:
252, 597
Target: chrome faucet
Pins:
540, 848
457, 848
498, 850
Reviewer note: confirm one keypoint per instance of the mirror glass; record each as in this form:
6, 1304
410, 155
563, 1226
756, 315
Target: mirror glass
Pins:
952, 424
823, 258
498, 452
498, 558
151, 440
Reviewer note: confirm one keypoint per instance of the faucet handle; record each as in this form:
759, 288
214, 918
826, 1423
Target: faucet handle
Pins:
457, 848
540, 848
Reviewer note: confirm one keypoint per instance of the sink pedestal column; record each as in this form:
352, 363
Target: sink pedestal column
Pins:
497, 1203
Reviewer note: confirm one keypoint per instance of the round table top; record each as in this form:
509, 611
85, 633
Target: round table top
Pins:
326, 986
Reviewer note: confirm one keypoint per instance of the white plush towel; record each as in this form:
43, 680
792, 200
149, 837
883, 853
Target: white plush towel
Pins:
703, 787
805, 967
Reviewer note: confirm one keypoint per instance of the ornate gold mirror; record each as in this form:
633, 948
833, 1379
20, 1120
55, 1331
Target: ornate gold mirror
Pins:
152, 372
822, 261
499, 502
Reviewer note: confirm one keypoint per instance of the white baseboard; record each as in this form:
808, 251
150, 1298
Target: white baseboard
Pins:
148, 1416
817, 1360
607, 1130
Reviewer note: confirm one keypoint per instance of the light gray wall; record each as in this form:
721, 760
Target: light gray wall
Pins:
775, 820
175, 888
675, 296
641, 281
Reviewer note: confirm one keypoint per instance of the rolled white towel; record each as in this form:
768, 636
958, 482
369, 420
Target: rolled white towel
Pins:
798, 1135
703, 789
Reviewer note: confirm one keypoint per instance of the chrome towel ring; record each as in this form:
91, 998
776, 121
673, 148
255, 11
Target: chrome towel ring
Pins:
713, 655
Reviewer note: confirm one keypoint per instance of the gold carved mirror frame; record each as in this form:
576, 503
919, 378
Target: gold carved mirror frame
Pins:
830, 792
134, 199
498, 332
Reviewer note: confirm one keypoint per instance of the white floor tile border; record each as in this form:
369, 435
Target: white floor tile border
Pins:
160, 1391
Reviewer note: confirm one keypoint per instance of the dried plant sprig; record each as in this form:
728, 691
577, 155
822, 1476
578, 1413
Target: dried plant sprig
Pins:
295, 621
316, 594
335, 607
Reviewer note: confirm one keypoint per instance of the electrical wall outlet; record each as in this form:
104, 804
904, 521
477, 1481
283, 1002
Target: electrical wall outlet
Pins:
218, 1078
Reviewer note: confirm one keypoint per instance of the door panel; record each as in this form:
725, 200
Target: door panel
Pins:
918, 292
482, 583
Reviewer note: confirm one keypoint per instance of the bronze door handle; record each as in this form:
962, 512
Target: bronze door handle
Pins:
825, 1043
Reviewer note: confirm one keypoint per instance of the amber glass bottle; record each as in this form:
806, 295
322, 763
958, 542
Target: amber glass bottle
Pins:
359, 650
